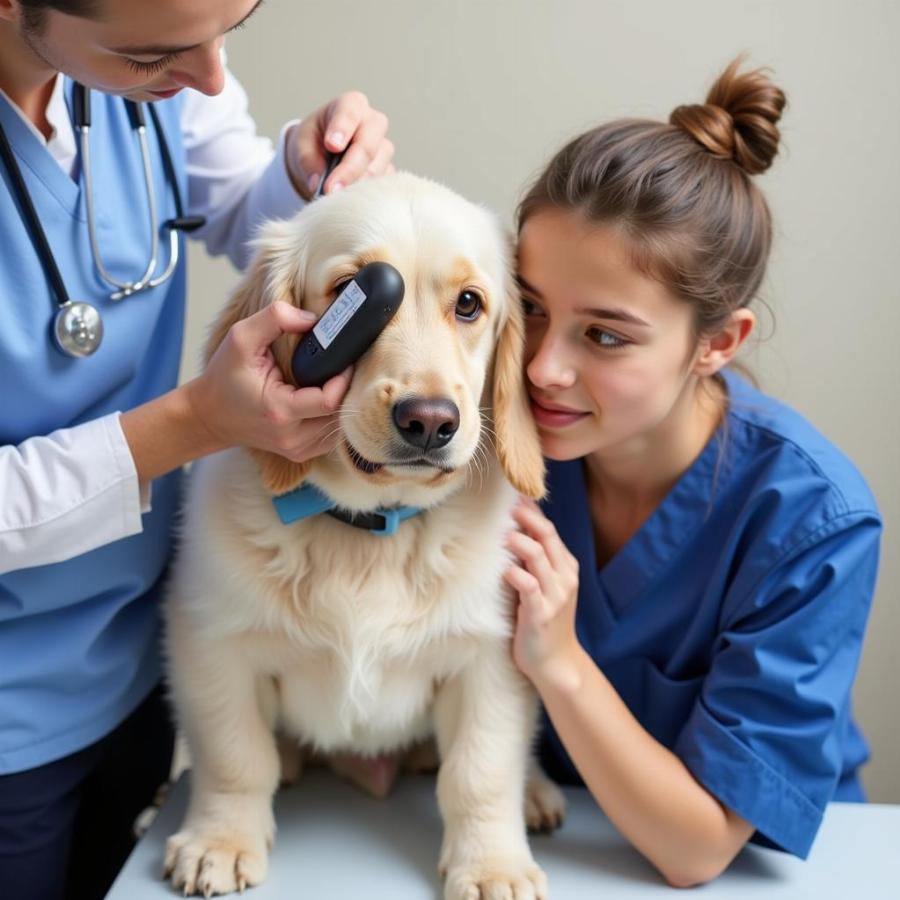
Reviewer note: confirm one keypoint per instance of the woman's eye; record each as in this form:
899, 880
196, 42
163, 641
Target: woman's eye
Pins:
150, 68
607, 339
468, 306
529, 308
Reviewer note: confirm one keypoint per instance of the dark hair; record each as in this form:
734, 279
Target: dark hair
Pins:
34, 10
681, 191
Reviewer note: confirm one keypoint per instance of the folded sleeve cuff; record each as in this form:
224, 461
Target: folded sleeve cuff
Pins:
67, 493
125, 463
748, 785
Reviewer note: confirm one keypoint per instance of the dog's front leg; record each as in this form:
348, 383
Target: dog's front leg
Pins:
484, 721
226, 834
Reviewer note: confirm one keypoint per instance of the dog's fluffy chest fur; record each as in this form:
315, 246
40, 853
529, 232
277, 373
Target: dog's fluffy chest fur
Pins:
347, 652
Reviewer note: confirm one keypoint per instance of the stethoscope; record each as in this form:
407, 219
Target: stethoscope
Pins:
77, 326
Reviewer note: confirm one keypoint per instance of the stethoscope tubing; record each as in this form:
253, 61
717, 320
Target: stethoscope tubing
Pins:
78, 327
82, 106
33, 221
125, 288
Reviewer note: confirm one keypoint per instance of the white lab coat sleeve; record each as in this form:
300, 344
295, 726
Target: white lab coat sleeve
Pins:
236, 178
67, 493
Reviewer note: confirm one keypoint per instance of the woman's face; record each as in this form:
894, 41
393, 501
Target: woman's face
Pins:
144, 51
609, 350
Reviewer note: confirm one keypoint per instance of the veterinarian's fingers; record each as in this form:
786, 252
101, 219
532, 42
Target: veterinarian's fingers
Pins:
335, 388
305, 153
381, 162
308, 403
254, 334
313, 402
357, 159
343, 117
331, 128
367, 142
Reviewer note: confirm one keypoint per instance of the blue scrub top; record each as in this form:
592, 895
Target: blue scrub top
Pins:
79, 639
731, 623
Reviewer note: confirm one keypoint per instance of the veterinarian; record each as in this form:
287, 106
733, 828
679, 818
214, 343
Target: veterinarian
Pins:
693, 596
92, 293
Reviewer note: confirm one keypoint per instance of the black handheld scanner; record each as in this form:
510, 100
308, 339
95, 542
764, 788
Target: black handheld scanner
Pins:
350, 325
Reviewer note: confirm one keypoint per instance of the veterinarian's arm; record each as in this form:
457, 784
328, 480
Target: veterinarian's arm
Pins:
240, 399
237, 179
644, 788
80, 488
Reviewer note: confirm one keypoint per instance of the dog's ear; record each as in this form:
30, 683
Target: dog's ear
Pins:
278, 473
275, 273
517, 442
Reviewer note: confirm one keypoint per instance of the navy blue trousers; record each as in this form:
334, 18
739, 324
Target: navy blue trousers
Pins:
66, 827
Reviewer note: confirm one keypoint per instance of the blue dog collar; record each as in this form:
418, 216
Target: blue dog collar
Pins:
307, 500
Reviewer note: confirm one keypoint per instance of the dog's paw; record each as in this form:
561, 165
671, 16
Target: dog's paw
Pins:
496, 880
211, 864
545, 804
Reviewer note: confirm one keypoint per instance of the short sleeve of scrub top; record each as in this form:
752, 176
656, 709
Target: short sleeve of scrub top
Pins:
732, 622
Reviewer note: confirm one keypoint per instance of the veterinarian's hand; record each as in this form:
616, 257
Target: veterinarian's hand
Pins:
243, 400
545, 577
347, 121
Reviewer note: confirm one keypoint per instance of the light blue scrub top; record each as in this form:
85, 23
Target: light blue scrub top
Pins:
731, 623
79, 639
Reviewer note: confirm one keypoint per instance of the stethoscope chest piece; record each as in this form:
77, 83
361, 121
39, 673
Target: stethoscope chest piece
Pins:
77, 329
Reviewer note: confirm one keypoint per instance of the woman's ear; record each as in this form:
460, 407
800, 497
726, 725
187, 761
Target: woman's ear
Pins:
517, 442
718, 349
275, 273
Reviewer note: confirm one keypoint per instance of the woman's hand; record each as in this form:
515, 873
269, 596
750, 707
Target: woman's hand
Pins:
545, 646
346, 122
242, 399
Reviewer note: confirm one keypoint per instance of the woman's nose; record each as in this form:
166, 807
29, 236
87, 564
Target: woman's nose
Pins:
550, 365
201, 68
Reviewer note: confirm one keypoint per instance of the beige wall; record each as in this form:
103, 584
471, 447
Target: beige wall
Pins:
480, 93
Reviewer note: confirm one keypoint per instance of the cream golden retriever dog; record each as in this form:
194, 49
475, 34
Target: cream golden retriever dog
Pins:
348, 641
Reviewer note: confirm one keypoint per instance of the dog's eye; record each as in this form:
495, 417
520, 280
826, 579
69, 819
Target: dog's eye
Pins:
468, 306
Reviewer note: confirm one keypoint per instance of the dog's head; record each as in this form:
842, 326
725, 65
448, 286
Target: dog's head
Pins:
443, 384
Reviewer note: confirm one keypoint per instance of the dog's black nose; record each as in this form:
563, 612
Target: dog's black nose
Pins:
426, 423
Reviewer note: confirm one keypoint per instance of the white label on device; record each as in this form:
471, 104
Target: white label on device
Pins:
338, 314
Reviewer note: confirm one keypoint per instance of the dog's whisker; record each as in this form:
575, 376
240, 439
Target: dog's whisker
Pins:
326, 432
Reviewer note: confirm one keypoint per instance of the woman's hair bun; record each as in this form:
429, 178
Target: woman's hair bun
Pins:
739, 120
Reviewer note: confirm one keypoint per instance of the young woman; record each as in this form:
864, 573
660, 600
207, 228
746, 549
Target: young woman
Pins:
692, 597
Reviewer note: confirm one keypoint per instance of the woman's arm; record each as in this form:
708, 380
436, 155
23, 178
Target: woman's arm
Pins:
644, 788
